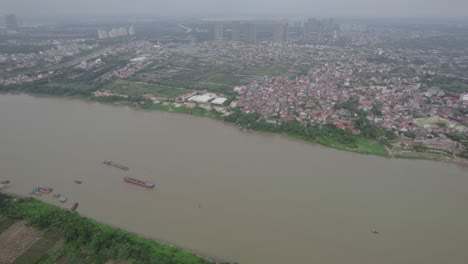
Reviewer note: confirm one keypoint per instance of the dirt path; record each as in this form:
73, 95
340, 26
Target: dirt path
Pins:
390, 152
16, 240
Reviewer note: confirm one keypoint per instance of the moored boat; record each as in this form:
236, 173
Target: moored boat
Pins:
146, 184
110, 163
74, 206
45, 190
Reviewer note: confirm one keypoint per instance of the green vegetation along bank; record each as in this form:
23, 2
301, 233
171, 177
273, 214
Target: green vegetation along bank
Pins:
325, 134
372, 140
86, 240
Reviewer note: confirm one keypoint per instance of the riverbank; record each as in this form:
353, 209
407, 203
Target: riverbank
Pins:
358, 145
332, 137
325, 135
86, 238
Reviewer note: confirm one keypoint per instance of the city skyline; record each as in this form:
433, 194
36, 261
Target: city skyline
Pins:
335, 8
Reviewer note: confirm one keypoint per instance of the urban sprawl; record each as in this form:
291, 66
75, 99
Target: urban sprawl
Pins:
410, 81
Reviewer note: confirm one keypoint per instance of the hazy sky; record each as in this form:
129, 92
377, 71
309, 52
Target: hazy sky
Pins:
335, 8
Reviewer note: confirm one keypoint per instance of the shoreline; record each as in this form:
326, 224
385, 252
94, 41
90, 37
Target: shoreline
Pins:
459, 161
210, 259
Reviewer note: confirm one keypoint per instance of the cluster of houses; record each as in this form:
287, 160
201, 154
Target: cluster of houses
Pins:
59, 49
317, 98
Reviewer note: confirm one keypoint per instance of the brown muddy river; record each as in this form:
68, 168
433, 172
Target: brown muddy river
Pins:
236, 196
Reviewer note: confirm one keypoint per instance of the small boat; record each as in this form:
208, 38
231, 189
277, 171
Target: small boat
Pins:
63, 199
110, 163
77, 181
146, 184
45, 190
373, 231
74, 206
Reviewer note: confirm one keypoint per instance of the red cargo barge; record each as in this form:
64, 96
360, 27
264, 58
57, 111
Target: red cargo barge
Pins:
138, 182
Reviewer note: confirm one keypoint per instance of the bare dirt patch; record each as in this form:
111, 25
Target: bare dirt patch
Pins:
16, 240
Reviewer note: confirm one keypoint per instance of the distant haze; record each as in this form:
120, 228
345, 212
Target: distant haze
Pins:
334, 8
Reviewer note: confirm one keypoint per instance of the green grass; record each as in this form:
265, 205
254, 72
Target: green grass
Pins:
214, 75
212, 87
14, 49
126, 56
369, 146
274, 71
70, 85
221, 78
197, 111
152, 106
139, 89
419, 156
42, 247
364, 146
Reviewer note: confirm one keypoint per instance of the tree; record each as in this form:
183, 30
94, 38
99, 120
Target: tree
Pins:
410, 134
390, 135
420, 147
4, 200
376, 111
350, 104
383, 140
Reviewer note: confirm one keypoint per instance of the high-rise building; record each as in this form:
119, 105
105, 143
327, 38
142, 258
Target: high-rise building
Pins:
328, 25
286, 32
319, 31
131, 31
305, 31
353, 27
218, 30
280, 32
116, 32
236, 29
10, 22
123, 31
2, 22
311, 29
102, 34
251, 35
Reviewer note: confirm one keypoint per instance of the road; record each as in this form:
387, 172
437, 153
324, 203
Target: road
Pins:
87, 57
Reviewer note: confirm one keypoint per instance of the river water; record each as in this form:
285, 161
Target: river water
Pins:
236, 196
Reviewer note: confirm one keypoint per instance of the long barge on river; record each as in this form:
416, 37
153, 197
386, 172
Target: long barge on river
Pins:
110, 163
146, 184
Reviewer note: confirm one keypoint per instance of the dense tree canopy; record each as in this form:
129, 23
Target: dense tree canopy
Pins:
102, 242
